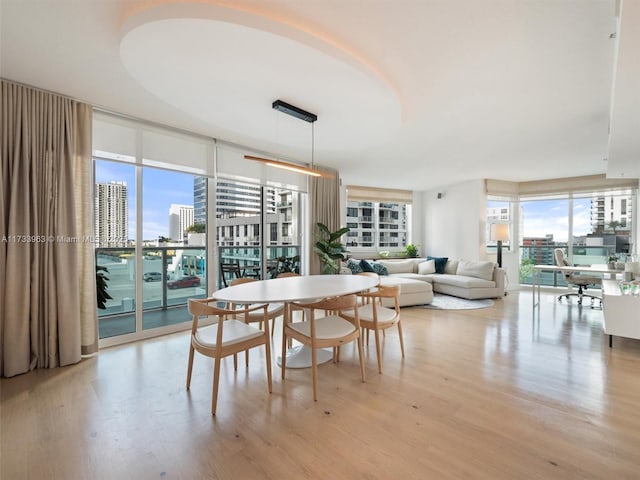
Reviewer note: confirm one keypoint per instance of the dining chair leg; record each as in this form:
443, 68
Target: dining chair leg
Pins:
401, 338
378, 353
283, 359
235, 362
216, 378
267, 347
246, 358
361, 356
314, 372
190, 367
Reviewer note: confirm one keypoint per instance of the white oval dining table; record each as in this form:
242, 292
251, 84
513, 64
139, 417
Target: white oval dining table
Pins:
296, 289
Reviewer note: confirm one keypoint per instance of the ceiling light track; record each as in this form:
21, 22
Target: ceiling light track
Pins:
290, 166
294, 111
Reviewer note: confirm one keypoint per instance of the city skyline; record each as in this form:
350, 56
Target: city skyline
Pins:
160, 189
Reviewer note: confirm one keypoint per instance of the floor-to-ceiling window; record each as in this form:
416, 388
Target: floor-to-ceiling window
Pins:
590, 226
171, 208
155, 252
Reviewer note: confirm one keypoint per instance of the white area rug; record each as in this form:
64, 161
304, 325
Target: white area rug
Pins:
446, 302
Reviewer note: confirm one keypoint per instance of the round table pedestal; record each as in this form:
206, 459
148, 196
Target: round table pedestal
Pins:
300, 357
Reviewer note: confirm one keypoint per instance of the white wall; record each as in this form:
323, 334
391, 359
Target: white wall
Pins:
417, 222
453, 225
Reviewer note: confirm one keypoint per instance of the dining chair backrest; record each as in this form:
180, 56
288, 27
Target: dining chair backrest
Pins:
288, 274
332, 304
207, 307
274, 310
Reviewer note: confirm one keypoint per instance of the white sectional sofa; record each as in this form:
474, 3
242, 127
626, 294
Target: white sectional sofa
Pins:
461, 278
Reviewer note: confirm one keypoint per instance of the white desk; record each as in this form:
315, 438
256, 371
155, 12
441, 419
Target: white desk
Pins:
538, 269
621, 312
296, 289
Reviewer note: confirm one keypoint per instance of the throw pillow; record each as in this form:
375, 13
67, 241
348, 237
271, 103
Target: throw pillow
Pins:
451, 267
440, 262
354, 266
365, 266
427, 267
482, 270
379, 268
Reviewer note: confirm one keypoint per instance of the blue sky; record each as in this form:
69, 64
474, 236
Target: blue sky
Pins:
551, 217
160, 189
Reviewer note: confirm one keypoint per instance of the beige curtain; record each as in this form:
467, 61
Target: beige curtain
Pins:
47, 269
324, 202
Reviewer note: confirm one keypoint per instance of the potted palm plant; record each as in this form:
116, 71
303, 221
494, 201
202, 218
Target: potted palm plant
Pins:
102, 295
330, 250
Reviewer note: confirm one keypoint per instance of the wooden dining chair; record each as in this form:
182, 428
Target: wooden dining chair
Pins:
227, 336
373, 315
363, 300
287, 307
325, 330
274, 310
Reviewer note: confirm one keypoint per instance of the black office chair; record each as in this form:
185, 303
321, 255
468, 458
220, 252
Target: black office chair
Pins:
581, 281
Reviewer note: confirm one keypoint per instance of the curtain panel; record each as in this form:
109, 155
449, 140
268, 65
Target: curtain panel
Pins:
48, 314
324, 206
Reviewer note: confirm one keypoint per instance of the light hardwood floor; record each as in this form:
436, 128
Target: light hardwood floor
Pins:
496, 393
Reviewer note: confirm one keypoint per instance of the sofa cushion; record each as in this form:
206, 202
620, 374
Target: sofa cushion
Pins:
398, 266
463, 281
407, 285
379, 268
451, 267
427, 267
440, 263
354, 266
482, 270
415, 276
365, 266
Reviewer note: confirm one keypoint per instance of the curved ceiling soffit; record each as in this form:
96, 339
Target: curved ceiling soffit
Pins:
367, 113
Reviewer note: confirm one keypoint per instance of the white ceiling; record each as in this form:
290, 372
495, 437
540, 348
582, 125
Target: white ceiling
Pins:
411, 94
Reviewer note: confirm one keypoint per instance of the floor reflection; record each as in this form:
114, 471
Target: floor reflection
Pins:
555, 352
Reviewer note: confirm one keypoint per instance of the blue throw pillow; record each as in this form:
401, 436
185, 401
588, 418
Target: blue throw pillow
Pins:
354, 266
440, 262
379, 269
365, 266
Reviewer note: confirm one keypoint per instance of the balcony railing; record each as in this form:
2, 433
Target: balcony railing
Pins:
170, 276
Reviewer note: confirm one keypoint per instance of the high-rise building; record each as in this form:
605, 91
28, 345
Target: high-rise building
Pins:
375, 224
200, 199
111, 214
180, 219
611, 213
